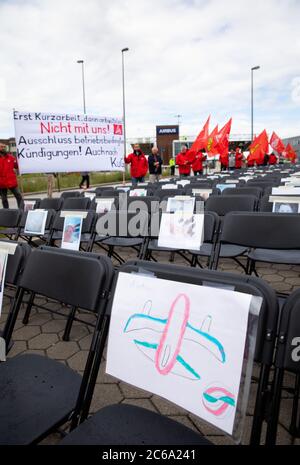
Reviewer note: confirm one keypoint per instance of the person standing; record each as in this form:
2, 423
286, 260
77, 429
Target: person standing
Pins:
155, 164
8, 177
184, 161
273, 159
85, 179
138, 165
197, 165
224, 159
232, 160
172, 166
238, 159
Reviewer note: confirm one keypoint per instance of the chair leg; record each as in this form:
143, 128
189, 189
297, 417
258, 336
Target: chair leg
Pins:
295, 421
66, 336
262, 399
28, 309
275, 408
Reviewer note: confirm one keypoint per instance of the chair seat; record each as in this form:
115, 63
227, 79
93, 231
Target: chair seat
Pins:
9, 231
287, 257
36, 394
123, 241
229, 251
205, 250
130, 425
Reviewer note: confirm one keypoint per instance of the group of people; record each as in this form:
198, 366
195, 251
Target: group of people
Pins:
187, 161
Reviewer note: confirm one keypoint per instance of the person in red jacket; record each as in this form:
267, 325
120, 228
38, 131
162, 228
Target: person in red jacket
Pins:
138, 165
197, 165
184, 160
272, 159
224, 159
238, 159
8, 178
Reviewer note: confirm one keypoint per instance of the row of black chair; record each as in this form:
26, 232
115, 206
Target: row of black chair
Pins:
39, 394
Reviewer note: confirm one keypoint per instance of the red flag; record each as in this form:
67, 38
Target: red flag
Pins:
290, 153
202, 138
211, 143
222, 138
259, 148
276, 143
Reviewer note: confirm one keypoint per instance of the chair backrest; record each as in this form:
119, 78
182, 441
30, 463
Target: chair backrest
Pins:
88, 223
228, 203
262, 230
268, 319
50, 218
149, 204
10, 218
36, 201
71, 278
256, 191
102, 190
51, 204
265, 205
16, 262
72, 194
165, 193
79, 203
123, 224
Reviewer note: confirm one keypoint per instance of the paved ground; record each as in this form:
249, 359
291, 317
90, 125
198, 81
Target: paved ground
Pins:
43, 335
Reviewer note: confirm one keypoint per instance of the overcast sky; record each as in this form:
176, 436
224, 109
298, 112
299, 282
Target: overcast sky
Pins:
187, 57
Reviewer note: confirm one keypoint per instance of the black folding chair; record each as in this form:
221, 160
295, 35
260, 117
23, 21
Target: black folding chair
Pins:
14, 269
70, 194
253, 191
129, 425
223, 204
33, 239
76, 203
51, 204
39, 394
122, 229
287, 359
10, 222
88, 232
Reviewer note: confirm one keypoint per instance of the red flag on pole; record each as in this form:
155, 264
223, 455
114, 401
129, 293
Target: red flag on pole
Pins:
290, 153
259, 148
276, 143
211, 143
222, 138
202, 138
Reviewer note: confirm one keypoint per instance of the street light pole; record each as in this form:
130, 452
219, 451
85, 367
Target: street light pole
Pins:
83, 88
252, 102
124, 112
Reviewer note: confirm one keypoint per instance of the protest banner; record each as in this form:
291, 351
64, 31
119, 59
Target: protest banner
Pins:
62, 143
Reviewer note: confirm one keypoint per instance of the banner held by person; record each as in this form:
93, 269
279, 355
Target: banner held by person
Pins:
62, 143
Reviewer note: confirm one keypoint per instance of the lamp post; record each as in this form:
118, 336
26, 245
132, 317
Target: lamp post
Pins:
255, 68
178, 118
83, 88
124, 112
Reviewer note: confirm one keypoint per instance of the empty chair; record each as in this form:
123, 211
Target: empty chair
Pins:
150, 204
267, 237
72, 194
165, 193
122, 229
130, 425
287, 359
223, 204
39, 394
79, 203
256, 191
51, 204
10, 222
